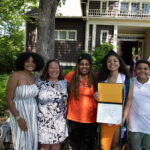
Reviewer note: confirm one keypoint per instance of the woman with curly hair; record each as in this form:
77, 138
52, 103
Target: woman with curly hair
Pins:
81, 105
20, 94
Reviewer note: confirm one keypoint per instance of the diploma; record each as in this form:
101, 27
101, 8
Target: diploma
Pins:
109, 108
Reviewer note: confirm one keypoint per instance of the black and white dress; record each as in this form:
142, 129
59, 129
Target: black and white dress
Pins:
52, 126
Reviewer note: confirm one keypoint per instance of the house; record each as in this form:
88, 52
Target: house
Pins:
123, 23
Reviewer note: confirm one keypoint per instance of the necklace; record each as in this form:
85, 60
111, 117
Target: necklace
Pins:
83, 82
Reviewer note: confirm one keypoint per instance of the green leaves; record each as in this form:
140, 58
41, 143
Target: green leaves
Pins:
3, 79
10, 47
12, 13
98, 53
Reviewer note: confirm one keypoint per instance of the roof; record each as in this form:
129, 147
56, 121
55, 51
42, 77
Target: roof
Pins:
33, 13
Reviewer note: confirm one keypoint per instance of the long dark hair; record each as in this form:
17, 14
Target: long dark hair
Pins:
45, 75
74, 83
104, 72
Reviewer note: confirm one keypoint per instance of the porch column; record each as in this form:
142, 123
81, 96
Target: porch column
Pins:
101, 6
129, 8
115, 37
141, 8
87, 37
93, 35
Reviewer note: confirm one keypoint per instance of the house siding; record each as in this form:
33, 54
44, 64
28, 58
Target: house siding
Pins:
67, 51
94, 5
98, 33
83, 9
90, 38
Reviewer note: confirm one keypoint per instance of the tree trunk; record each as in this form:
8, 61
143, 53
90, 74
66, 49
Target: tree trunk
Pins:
45, 29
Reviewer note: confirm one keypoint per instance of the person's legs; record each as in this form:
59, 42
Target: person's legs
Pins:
116, 140
107, 133
135, 140
75, 134
44, 147
55, 146
146, 142
89, 136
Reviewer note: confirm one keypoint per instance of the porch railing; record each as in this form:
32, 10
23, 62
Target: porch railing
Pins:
119, 13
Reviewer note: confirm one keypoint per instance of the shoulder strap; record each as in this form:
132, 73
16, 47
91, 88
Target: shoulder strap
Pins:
127, 87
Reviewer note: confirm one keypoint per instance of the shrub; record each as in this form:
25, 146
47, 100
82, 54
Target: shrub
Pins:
66, 71
3, 84
98, 53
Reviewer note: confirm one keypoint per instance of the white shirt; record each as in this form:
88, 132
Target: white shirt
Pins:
120, 78
139, 115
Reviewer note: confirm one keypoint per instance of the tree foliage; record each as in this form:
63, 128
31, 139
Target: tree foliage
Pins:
12, 15
3, 79
10, 47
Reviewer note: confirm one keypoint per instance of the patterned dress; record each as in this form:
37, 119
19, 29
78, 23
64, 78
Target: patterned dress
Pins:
52, 111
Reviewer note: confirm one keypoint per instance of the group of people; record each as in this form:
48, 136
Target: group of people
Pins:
38, 113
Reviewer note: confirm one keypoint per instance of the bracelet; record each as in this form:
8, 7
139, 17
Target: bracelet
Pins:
17, 118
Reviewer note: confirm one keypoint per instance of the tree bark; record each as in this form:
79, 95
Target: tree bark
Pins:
46, 28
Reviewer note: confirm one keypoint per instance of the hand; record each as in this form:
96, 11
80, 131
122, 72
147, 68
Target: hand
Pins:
123, 120
96, 96
22, 124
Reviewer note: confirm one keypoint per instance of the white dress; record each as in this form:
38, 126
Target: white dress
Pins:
52, 124
26, 105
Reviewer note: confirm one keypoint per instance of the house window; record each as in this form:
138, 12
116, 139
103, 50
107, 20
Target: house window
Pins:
134, 8
124, 7
56, 34
104, 5
146, 8
66, 35
104, 36
71, 35
62, 35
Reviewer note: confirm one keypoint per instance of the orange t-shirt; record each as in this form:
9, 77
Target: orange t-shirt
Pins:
82, 110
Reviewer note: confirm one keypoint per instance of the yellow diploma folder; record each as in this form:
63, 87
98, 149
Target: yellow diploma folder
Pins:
110, 92
109, 108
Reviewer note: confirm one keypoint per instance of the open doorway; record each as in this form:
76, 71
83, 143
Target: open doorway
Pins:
128, 49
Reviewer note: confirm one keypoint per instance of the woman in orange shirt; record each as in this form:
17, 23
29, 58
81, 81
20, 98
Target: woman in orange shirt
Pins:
81, 105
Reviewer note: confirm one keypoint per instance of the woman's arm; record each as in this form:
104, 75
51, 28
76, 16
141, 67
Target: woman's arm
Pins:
11, 86
128, 103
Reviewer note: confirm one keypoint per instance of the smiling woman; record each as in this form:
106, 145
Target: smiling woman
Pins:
20, 94
52, 95
81, 105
